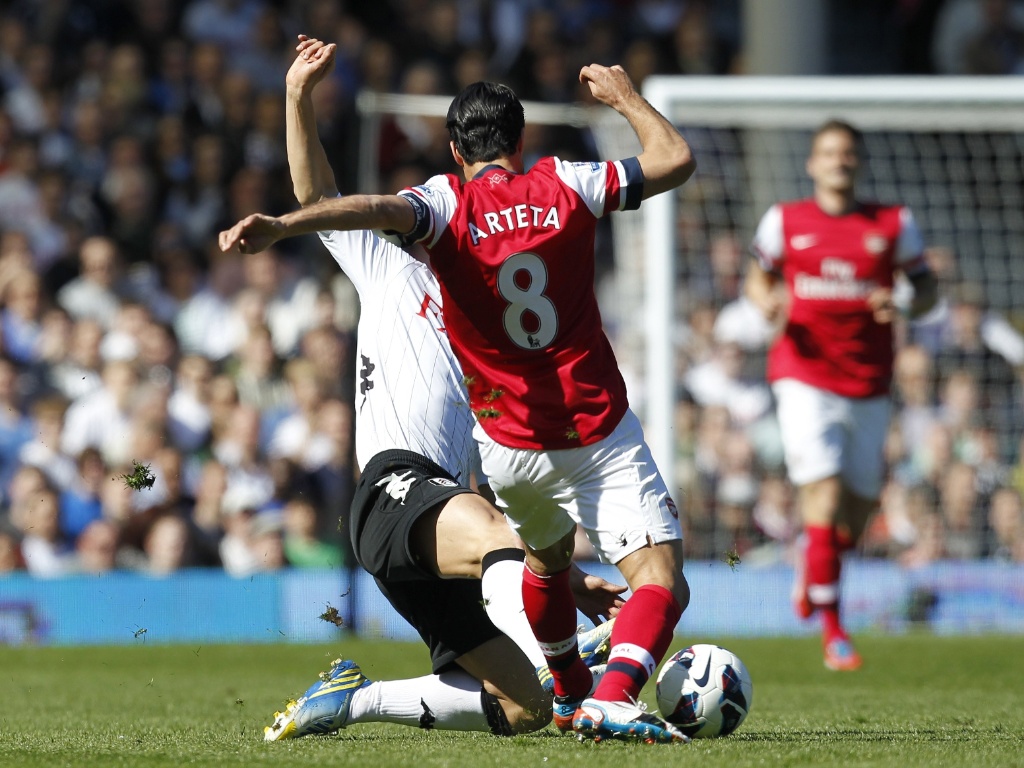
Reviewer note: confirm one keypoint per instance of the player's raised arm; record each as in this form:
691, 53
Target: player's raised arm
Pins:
312, 177
665, 158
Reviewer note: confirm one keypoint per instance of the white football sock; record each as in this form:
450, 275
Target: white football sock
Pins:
502, 588
448, 702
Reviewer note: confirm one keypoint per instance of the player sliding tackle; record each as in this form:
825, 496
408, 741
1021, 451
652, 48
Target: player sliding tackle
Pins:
513, 252
434, 547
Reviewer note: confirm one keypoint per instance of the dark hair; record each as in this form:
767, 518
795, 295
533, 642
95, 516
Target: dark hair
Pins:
838, 125
486, 122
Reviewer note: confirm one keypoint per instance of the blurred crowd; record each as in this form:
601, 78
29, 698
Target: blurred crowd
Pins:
131, 131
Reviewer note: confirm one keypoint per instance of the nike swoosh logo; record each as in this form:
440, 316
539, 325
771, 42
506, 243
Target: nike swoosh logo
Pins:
799, 242
703, 679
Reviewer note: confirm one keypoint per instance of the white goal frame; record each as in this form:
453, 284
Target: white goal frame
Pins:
907, 103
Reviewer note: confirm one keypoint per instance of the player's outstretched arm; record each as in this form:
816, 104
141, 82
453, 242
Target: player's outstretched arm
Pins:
763, 290
597, 599
312, 177
258, 232
665, 158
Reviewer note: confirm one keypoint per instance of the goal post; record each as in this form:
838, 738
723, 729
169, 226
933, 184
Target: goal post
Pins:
950, 148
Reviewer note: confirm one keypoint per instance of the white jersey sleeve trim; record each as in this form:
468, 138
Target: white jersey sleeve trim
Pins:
588, 180
768, 245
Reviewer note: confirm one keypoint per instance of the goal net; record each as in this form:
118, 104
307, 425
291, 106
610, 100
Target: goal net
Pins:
950, 148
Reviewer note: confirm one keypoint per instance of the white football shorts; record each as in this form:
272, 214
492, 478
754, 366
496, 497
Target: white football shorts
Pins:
611, 488
825, 434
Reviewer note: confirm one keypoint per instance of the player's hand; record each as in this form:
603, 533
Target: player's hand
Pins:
314, 61
609, 85
597, 599
773, 305
881, 305
252, 234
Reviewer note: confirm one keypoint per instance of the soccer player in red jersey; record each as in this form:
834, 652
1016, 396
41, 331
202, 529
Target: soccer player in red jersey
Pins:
514, 255
824, 270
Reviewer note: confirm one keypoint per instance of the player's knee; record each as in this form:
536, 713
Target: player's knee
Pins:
531, 715
509, 717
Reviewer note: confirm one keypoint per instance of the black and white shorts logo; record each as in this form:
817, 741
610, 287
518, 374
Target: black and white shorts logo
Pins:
444, 482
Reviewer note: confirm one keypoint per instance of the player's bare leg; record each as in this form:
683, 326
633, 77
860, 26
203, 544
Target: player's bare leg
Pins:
644, 627
466, 537
821, 504
854, 513
452, 541
510, 678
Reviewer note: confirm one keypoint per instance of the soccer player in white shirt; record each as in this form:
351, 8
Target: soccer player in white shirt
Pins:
416, 526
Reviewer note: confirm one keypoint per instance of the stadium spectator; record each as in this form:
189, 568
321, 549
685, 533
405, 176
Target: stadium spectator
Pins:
266, 541
235, 547
329, 350
255, 369
303, 548
102, 418
296, 436
188, 412
45, 450
1006, 526
961, 512
77, 373
207, 323
43, 546
289, 302
720, 381
239, 449
15, 427
998, 47
80, 502
914, 388
21, 318
96, 293
827, 266
960, 21
208, 512
96, 548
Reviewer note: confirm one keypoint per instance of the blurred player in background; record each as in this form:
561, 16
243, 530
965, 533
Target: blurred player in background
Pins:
824, 271
434, 547
514, 255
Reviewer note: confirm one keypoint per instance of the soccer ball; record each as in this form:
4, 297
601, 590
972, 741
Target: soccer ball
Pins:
705, 691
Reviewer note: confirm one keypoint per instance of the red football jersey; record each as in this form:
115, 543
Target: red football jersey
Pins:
831, 264
514, 254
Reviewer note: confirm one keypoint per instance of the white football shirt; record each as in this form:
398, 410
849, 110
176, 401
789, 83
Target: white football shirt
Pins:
409, 389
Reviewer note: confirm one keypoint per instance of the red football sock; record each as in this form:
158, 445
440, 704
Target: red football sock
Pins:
844, 541
551, 610
823, 569
641, 635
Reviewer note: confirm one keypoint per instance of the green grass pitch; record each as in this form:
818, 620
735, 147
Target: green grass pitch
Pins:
920, 700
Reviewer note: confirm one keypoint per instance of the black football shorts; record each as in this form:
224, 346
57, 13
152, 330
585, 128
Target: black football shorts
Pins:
395, 489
